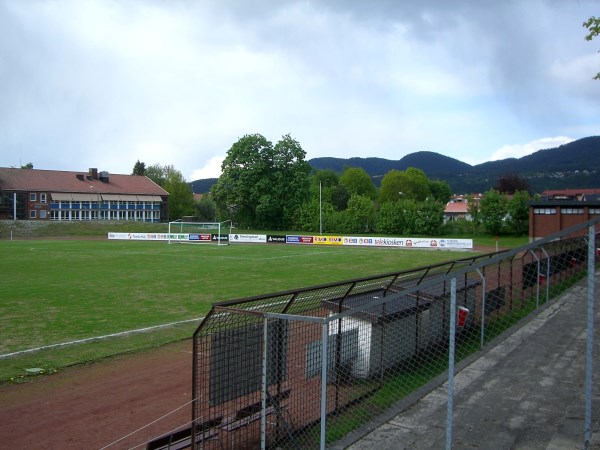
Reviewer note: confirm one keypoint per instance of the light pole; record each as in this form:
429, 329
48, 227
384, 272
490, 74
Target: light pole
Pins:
320, 210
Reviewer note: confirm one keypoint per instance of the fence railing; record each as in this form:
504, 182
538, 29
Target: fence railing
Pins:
302, 368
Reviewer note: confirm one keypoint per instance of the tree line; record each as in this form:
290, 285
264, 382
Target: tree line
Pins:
266, 186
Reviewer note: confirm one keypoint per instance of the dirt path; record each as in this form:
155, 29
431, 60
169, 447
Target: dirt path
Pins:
90, 407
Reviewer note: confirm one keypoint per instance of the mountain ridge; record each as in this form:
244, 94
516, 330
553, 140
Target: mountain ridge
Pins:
572, 165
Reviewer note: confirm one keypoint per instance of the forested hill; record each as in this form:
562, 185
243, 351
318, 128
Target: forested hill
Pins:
573, 165
429, 162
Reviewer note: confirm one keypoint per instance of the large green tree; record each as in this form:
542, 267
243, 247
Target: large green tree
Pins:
593, 26
261, 185
358, 182
414, 184
391, 187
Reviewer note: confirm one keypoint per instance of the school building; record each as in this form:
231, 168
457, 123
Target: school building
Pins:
32, 194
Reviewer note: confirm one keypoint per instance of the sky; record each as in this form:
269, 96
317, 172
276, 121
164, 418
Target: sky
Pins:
103, 84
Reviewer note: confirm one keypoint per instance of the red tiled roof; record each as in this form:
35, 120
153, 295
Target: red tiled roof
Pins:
62, 181
457, 208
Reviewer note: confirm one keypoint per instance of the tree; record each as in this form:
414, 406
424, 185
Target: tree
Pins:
474, 212
27, 166
312, 213
206, 209
430, 217
156, 173
181, 198
399, 217
511, 183
440, 190
291, 176
518, 211
389, 219
414, 184
139, 168
593, 26
261, 185
358, 182
493, 211
391, 187
340, 197
323, 183
360, 214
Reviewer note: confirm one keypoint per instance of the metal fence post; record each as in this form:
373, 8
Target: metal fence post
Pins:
324, 347
263, 390
590, 334
451, 363
548, 260
483, 290
537, 281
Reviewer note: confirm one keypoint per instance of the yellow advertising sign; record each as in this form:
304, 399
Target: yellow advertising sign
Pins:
328, 240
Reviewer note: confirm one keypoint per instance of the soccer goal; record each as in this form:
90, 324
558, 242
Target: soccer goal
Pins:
181, 231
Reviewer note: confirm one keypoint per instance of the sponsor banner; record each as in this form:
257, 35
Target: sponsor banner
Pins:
149, 236
328, 240
276, 239
199, 237
397, 242
408, 242
249, 238
292, 239
350, 240
456, 243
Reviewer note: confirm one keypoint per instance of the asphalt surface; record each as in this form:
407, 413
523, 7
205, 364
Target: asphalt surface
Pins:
526, 392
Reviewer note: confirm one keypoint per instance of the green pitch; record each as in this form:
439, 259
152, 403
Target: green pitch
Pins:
59, 291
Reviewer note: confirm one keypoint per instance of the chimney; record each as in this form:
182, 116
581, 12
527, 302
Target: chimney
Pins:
94, 173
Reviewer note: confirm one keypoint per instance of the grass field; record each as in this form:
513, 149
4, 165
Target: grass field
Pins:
56, 290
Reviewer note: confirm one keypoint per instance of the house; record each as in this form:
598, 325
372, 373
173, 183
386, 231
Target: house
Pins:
458, 207
560, 209
31, 194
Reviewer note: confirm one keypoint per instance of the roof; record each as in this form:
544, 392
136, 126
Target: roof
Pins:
12, 179
457, 208
570, 192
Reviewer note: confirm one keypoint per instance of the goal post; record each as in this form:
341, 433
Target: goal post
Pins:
181, 231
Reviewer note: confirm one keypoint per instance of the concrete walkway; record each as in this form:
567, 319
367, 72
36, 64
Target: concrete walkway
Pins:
525, 393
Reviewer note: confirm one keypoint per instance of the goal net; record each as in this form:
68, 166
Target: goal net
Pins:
217, 233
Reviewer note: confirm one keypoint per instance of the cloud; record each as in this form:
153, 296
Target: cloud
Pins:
103, 84
212, 169
520, 150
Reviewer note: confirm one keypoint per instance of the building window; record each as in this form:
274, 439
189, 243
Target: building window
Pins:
571, 210
32, 197
594, 210
32, 214
42, 198
544, 210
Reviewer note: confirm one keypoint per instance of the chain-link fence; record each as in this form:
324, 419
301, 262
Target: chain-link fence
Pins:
301, 369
